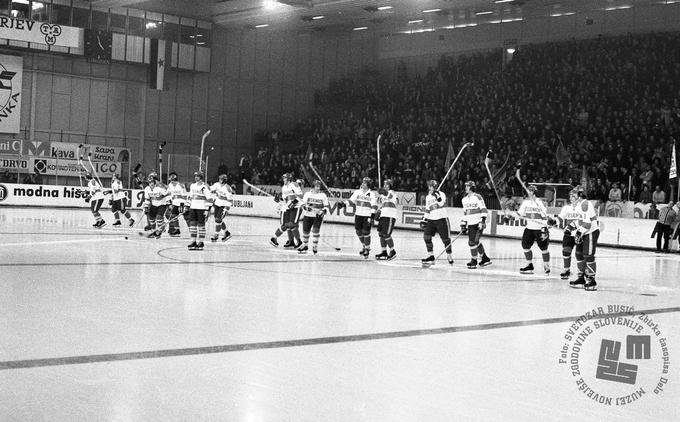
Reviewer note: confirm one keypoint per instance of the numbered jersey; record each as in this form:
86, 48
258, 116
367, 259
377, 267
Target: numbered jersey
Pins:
95, 189
570, 214
366, 202
313, 203
117, 191
223, 194
474, 209
290, 192
535, 212
388, 207
588, 222
435, 206
178, 193
156, 195
199, 196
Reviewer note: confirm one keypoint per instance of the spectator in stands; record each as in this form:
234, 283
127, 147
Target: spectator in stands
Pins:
37, 178
659, 196
667, 217
6, 177
28, 180
645, 195
615, 194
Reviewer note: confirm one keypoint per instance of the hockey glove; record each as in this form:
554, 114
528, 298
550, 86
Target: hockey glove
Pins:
544, 234
482, 224
277, 198
376, 216
206, 213
292, 204
146, 209
463, 227
382, 191
437, 196
552, 222
341, 205
423, 223
578, 237
110, 202
569, 229
87, 198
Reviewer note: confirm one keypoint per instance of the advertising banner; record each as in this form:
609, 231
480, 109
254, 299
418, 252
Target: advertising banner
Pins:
41, 32
10, 147
54, 167
56, 196
11, 74
14, 163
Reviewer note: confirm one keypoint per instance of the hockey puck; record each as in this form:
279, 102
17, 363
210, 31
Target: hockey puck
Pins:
126, 238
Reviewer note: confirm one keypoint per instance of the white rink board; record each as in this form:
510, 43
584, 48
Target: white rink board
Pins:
622, 232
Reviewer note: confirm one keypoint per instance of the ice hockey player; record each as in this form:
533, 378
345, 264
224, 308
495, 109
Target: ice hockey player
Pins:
473, 223
95, 197
387, 216
178, 194
119, 202
291, 194
223, 201
536, 214
314, 207
435, 221
156, 199
570, 215
366, 204
199, 203
585, 237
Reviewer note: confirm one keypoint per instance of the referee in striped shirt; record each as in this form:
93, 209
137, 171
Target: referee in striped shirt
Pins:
663, 226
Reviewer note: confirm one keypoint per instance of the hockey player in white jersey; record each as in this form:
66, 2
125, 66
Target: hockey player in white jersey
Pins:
435, 221
223, 201
95, 197
473, 223
119, 202
536, 214
155, 201
291, 195
387, 216
314, 207
178, 194
585, 236
366, 204
199, 205
569, 214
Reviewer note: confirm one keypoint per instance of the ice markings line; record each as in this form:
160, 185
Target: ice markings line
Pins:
163, 353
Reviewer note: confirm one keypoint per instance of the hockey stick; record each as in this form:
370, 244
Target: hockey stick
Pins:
200, 159
465, 145
493, 183
316, 173
161, 226
377, 148
160, 160
257, 189
450, 245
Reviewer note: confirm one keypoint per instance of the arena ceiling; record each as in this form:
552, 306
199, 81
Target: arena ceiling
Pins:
381, 16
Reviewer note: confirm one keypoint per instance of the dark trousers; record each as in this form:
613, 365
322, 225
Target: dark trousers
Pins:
663, 231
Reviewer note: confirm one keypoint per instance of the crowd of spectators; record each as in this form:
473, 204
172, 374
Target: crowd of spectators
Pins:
605, 110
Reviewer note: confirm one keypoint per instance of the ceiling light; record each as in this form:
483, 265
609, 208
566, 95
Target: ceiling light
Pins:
262, 25
416, 21
270, 4
488, 12
503, 1
384, 7
314, 18
360, 28
432, 10
150, 25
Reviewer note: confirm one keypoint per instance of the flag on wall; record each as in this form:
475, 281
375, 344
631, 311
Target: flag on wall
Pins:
673, 172
11, 73
159, 63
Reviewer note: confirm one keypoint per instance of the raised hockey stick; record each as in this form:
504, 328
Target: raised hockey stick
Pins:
465, 145
377, 148
245, 182
200, 159
160, 160
316, 173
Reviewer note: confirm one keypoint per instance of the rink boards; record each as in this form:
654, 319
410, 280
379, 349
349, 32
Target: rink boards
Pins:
621, 232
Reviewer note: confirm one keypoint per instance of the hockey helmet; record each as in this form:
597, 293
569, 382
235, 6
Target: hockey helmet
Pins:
578, 191
172, 176
222, 178
367, 181
387, 184
432, 184
198, 174
472, 185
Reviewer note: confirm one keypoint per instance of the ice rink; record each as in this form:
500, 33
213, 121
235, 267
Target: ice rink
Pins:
96, 327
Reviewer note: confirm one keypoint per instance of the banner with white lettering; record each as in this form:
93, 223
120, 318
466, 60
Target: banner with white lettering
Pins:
41, 32
10, 146
11, 74
55, 167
